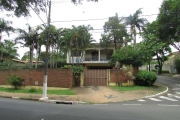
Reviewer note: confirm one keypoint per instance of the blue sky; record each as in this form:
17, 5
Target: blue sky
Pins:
64, 10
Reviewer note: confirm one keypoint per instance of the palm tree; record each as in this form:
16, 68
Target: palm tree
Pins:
136, 22
29, 37
8, 52
5, 26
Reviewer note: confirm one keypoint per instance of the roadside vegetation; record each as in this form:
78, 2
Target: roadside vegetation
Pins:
36, 90
157, 37
129, 88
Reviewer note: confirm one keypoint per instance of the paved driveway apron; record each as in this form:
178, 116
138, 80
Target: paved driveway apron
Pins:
102, 94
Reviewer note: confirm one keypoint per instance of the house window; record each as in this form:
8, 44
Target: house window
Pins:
94, 55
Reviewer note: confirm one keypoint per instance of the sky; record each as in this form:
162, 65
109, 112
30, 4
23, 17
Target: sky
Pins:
64, 14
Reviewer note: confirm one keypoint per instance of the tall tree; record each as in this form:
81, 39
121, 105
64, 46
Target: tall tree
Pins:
152, 46
8, 52
115, 30
22, 8
169, 23
29, 37
136, 22
5, 26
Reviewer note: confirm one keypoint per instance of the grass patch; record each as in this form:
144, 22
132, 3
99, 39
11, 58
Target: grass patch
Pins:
36, 91
129, 88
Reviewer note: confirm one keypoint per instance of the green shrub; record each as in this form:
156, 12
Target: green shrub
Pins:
32, 89
15, 81
145, 78
177, 64
165, 71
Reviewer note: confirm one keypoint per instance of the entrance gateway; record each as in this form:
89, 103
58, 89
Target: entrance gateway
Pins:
95, 77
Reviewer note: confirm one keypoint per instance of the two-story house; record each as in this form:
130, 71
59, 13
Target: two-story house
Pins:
95, 61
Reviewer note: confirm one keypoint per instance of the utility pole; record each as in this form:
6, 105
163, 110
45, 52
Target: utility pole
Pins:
44, 96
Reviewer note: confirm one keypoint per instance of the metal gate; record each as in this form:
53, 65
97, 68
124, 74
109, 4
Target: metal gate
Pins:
95, 77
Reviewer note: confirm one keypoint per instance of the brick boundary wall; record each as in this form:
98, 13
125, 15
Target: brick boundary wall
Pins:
56, 77
114, 77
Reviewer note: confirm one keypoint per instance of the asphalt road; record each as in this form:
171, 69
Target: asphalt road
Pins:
172, 82
15, 109
12, 109
171, 98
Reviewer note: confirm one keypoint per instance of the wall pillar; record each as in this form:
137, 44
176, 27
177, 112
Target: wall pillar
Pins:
99, 53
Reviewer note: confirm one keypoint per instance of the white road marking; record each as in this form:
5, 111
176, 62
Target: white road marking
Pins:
163, 97
178, 93
168, 105
177, 84
131, 104
176, 89
174, 96
154, 99
141, 100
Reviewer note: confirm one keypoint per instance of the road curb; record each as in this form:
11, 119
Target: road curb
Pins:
65, 102
155, 95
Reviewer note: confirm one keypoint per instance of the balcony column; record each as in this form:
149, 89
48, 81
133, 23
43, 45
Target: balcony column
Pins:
99, 53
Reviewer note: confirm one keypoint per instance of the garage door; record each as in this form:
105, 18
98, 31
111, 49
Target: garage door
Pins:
93, 77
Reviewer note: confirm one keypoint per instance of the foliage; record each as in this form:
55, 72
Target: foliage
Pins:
114, 31
145, 78
30, 37
177, 64
128, 88
168, 23
37, 91
136, 22
163, 71
152, 46
15, 81
5, 26
8, 50
22, 8
127, 56
77, 69
32, 89
8, 65
80, 1
128, 71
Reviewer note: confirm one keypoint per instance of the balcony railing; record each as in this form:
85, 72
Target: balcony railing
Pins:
88, 60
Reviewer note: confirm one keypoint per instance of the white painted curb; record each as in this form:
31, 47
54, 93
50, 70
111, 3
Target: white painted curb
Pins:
158, 93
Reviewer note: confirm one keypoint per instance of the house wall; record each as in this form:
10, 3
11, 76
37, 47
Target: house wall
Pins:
56, 77
103, 54
88, 54
114, 76
166, 67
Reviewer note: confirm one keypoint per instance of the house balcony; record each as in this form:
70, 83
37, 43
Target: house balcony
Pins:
91, 56
88, 60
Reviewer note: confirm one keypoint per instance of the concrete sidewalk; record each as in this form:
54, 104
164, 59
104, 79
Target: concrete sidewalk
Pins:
91, 94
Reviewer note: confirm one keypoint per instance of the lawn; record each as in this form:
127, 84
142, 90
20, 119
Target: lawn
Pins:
36, 91
129, 88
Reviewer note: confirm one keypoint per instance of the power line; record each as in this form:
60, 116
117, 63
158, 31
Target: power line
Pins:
79, 21
94, 19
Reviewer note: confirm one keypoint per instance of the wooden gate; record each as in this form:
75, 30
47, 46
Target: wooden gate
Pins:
95, 77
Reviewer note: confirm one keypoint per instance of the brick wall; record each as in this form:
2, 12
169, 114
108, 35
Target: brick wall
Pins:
56, 77
123, 79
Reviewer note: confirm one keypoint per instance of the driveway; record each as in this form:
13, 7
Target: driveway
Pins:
93, 94
101, 94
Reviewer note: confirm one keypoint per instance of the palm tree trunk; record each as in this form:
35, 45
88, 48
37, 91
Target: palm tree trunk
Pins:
50, 61
135, 41
57, 57
39, 52
30, 57
37, 55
